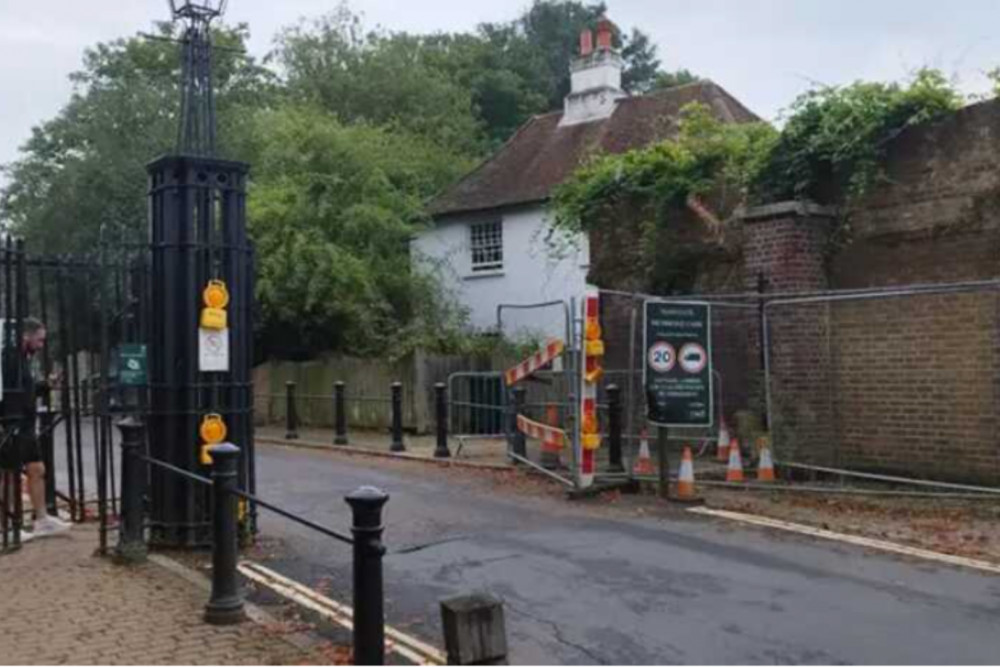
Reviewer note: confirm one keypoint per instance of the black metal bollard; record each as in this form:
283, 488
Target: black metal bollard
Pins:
226, 604
339, 415
291, 416
615, 429
441, 415
397, 418
520, 446
131, 543
369, 613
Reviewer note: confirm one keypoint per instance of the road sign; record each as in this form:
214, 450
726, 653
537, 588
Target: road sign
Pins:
677, 373
132, 364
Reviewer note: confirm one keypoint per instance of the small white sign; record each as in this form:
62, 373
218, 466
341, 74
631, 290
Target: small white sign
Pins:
213, 350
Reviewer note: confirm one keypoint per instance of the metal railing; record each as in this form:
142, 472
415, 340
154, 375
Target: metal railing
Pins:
226, 602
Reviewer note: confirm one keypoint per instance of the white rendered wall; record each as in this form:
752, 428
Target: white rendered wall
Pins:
531, 274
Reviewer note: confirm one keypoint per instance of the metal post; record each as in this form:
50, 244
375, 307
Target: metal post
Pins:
615, 429
226, 604
369, 616
291, 416
663, 477
441, 415
519, 446
339, 414
131, 545
46, 441
397, 418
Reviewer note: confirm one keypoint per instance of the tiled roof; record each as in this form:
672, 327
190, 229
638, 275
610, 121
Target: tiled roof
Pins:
542, 155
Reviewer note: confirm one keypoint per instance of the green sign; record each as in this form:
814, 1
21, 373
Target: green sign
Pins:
677, 371
132, 364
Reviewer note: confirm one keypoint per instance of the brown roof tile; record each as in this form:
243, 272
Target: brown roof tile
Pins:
542, 155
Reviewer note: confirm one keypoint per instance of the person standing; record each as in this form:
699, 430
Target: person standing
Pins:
19, 446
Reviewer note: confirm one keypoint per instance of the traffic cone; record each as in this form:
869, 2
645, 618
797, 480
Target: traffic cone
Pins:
735, 471
685, 477
765, 468
722, 447
644, 464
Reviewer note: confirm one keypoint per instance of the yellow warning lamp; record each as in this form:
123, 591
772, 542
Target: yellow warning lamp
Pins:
590, 441
593, 329
216, 298
590, 423
212, 431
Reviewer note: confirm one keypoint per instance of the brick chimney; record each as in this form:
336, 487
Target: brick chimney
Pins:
595, 78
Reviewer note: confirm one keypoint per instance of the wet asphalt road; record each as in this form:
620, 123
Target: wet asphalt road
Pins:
589, 586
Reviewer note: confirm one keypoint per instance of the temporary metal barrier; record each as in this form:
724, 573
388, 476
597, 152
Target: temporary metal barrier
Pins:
477, 403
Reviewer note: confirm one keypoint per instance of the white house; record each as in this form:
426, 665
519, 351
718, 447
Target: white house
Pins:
488, 241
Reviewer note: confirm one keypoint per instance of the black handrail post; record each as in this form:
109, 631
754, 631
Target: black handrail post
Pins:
441, 415
339, 414
397, 418
519, 445
131, 543
369, 613
226, 604
291, 416
615, 429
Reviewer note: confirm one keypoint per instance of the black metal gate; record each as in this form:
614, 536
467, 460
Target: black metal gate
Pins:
92, 308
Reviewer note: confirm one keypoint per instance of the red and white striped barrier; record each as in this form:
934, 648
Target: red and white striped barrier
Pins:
540, 431
539, 359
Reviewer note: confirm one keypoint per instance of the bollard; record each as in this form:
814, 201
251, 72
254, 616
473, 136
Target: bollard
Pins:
131, 543
474, 630
397, 418
615, 429
519, 445
339, 415
369, 613
225, 607
291, 416
441, 414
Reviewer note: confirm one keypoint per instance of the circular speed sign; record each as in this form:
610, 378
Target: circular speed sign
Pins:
662, 357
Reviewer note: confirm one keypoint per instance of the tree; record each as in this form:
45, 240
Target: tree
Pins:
86, 167
332, 210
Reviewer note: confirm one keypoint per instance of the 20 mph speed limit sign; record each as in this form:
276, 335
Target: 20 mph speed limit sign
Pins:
677, 372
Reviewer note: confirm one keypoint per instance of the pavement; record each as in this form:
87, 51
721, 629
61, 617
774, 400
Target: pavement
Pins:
633, 582
61, 604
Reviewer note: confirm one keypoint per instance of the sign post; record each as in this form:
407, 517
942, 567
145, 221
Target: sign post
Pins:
677, 369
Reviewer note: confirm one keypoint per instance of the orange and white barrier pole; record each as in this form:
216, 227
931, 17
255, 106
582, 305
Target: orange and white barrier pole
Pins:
593, 354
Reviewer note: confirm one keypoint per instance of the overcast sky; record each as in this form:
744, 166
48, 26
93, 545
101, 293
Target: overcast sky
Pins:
763, 51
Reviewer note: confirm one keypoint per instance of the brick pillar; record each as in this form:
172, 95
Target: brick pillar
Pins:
784, 252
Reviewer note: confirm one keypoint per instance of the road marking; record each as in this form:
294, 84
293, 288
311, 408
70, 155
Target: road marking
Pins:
850, 539
405, 645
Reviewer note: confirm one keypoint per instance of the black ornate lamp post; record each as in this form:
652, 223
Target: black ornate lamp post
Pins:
198, 239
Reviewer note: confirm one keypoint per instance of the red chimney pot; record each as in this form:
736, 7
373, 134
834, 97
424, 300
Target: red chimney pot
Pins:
586, 43
605, 30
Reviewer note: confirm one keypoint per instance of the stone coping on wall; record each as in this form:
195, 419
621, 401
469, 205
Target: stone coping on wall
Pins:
799, 208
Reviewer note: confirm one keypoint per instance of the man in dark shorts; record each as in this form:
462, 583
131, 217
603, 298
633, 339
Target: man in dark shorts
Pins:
19, 446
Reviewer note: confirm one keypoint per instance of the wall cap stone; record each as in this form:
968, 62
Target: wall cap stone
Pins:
786, 209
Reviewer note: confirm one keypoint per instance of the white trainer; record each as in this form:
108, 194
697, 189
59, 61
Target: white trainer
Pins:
49, 526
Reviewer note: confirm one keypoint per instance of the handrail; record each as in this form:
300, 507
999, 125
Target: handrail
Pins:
288, 515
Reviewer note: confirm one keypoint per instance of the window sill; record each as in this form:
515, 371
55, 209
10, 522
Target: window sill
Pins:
492, 273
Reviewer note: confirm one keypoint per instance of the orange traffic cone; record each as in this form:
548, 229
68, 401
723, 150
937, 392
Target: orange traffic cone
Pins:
685, 476
722, 447
643, 464
765, 469
735, 471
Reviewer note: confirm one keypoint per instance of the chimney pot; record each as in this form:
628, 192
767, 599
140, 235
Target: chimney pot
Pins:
586, 43
605, 29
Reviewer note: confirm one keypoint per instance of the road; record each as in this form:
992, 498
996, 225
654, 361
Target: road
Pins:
585, 584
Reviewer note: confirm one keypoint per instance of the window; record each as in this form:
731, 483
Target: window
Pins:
487, 246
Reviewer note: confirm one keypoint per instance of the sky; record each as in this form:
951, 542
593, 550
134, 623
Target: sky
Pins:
765, 52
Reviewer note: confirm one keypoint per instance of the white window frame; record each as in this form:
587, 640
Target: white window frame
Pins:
486, 246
